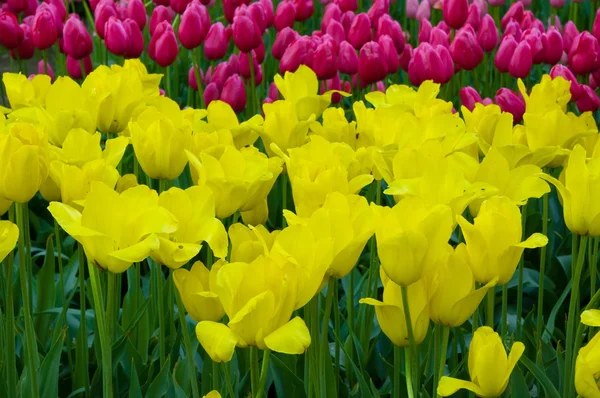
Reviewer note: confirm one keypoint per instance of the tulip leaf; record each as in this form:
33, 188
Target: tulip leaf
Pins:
50, 367
135, 390
363, 385
287, 383
46, 292
160, 385
552, 318
518, 384
540, 375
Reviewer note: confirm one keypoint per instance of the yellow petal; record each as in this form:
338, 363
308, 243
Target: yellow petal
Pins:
137, 252
535, 240
213, 393
9, 234
217, 339
450, 385
70, 220
291, 338
591, 318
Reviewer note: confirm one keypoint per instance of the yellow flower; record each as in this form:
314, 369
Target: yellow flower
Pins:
410, 238
213, 394
579, 191
587, 365
258, 299
494, 243
240, 179
81, 147
549, 94
454, 297
492, 126
283, 127
150, 81
321, 167
301, 88
390, 311
117, 238
489, 367
194, 208
205, 140
9, 235
196, 290
348, 220
249, 243
125, 182
4, 205
336, 128
23, 161
22, 92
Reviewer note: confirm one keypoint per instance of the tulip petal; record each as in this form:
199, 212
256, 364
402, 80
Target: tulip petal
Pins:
588, 317
535, 240
357, 183
391, 321
137, 252
291, 338
213, 393
70, 220
450, 385
516, 351
217, 339
9, 235
465, 307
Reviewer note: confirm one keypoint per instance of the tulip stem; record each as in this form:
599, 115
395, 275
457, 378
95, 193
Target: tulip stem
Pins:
573, 317
414, 359
540, 303
168, 83
264, 372
196, 65
216, 377
158, 283
520, 275
110, 306
504, 316
104, 338
10, 359
491, 302
324, 346
82, 318
408, 364
228, 382
60, 264
83, 73
397, 365
31, 361
253, 370
444, 347
593, 265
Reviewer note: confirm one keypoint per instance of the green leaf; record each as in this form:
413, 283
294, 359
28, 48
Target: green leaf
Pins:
50, 367
518, 384
160, 385
540, 375
552, 318
180, 371
46, 293
135, 390
365, 390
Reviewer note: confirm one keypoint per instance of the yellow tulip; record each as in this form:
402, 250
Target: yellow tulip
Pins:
194, 208
258, 299
150, 81
492, 126
410, 238
321, 167
9, 235
249, 243
283, 127
117, 238
549, 94
205, 140
494, 243
489, 367
348, 220
518, 184
80, 147
196, 290
213, 394
587, 365
239, 179
22, 92
160, 136
454, 297
390, 312
421, 102
23, 161
336, 128
125, 182
4, 205
579, 190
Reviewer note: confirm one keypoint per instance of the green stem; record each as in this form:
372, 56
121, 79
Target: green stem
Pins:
396, 388
573, 317
350, 319
31, 361
593, 265
324, 346
216, 385
168, 91
520, 275
10, 359
336, 326
408, 365
111, 318
253, 370
104, 338
411, 337
284, 191
264, 372
504, 318
437, 337
444, 347
540, 301
82, 318
196, 64
158, 281
60, 263
228, 380
491, 302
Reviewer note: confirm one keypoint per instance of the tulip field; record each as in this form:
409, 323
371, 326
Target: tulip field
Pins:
298, 198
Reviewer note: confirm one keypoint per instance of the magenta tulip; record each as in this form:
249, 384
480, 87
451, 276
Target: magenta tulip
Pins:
285, 15
487, 36
348, 59
325, 62
137, 12
246, 34
474, 16
570, 32
439, 37
347, 5
465, 50
25, 49
336, 31
211, 93
346, 20
44, 29
77, 39
588, 101
514, 13
507, 48
44, 68
553, 50
216, 42
389, 53
584, 56
406, 56
74, 67
11, 33
469, 97
243, 62
194, 26
360, 31
455, 12
378, 9
522, 61
423, 11
565, 73
104, 10
135, 39
332, 13
234, 93
372, 66
115, 36
387, 26
535, 39
301, 52
163, 48
304, 9
283, 40
596, 25
160, 14
425, 29
510, 102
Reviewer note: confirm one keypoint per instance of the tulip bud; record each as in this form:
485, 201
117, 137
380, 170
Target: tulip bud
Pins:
447, 71
510, 102
584, 56
377, 10
423, 11
465, 50
163, 48
505, 53
570, 32
135, 39
16, 6
514, 13
25, 50
347, 5
565, 73
588, 101
44, 29
194, 26
474, 16
179, 6
596, 25
528, 20
439, 37
192, 82
44, 68
553, 47
534, 38
246, 34
455, 12
284, 38
372, 65
425, 29
487, 36
234, 93
360, 31
74, 66
522, 61
216, 42
406, 56
325, 62
301, 52
348, 59
77, 39
513, 29
389, 54
244, 65
11, 33
332, 13
160, 14
229, 7
137, 12
557, 3
257, 13
58, 10
304, 9
268, 9
336, 31
387, 26
221, 73
411, 8
469, 97
104, 10
115, 38
285, 15
211, 93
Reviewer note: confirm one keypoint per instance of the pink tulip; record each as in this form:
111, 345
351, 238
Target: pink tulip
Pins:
371, 64
332, 13
425, 29
584, 56
135, 39
104, 10
301, 52
194, 26
192, 82
429, 63
487, 36
596, 25
565, 73
360, 31
244, 65
137, 12
16, 6
389, 53
216, 42
570, 32
589, 101
522, 61
347, 5
513, 29
221, 73
455, 12
510, 102
163, 48
528, 20
465, 50
377, 10
284, 38
211, 93
514, 13
535, 39
469, 97
325, 62
77, 39
304, 9
25, 49
285, 15
348, 59
273, 92
553, 48
423, 11
44, 68
11, 33
406, 56
346, 20
387, 26
411, 8
507, 48
439, 37
474, 16
74, 67
115, 36
336, 31
44, 29
246, 34
234, 93
268, 10
159, 14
